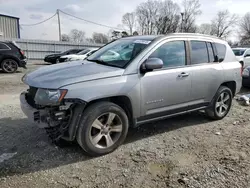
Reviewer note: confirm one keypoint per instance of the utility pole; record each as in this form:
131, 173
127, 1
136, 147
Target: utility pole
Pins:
59, 24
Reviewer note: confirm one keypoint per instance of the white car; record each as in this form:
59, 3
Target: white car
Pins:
83, 55
243, 56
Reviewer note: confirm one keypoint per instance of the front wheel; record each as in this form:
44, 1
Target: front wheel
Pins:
103, 128
221, 104
9, 65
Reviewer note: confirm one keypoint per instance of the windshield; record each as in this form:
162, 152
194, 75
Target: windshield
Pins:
119, 53
83, 52
238, 52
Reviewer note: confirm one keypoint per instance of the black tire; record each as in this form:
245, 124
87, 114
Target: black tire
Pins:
93, 112
242, 64
9, 66
212, 110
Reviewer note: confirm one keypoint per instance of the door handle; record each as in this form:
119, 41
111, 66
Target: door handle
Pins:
183, 74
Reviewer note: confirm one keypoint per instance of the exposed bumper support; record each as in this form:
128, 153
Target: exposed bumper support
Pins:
34, 115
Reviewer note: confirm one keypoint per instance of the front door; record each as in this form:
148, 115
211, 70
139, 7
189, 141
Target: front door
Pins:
167, 90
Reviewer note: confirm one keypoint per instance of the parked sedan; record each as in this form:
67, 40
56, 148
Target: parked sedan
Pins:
54, 58
82, 56
242, 55
76, 56
246, 77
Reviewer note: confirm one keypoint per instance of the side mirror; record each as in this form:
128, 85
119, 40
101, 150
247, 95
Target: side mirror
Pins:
152, 64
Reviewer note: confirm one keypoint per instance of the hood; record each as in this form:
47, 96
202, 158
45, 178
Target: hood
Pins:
79, 57
52, 55
239, 58
69, 56
58, 75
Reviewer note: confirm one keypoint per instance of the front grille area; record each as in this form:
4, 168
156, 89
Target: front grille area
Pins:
62, 59
30, 96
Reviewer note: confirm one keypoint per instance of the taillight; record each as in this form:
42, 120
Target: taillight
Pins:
22, 52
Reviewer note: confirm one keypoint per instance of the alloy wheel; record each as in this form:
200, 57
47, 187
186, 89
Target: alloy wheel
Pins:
105, 130
222, 104
9, 66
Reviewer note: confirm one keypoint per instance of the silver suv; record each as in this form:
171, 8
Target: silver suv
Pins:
129, 82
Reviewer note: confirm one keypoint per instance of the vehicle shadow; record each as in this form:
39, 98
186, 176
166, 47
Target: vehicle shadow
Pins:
41, 63
35, 152
2, 72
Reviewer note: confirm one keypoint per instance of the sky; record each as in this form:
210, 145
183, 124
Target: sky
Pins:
108, 12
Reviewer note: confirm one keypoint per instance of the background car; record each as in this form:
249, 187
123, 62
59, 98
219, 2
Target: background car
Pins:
242, 55
54, 58
81, 55
11, 57
246, 77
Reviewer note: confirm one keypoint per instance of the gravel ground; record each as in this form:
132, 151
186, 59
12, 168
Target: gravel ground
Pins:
186, 151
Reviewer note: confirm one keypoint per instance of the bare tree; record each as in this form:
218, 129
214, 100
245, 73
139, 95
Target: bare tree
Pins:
65, 38
168, 17
129, 20
135, 33
205, 28
100, 38
124, 34
223, 23
77, 35
245, 29
191, 11
146, 16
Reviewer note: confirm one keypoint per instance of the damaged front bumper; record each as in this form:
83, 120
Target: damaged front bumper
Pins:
59, 121
34, 115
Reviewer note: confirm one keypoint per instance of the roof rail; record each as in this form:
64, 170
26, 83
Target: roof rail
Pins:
196, 34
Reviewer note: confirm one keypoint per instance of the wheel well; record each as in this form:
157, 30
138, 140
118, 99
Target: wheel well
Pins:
122, 101
231, 85
9, 58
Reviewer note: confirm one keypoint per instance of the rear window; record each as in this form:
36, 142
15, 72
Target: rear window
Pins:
221, 51
238, 52
199, 52
4, 46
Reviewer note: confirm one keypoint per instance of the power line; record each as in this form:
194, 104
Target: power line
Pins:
39, 22
91, 21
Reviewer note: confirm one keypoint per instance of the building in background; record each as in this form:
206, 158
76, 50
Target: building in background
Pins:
9, 27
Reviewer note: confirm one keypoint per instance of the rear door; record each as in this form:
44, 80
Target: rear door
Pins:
204, 71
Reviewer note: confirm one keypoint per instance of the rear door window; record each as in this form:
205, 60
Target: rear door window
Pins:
221, 51
210, 52
4, 47
199, 52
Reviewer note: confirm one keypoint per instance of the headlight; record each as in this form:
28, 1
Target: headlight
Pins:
49, 96
245, 73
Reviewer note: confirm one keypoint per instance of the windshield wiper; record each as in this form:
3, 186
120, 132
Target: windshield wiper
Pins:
98, 61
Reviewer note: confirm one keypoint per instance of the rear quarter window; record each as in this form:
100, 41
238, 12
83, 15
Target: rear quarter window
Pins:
4, 46
221, 51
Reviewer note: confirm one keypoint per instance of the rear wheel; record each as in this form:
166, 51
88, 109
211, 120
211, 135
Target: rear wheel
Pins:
221, 104
103, 128
9, 65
